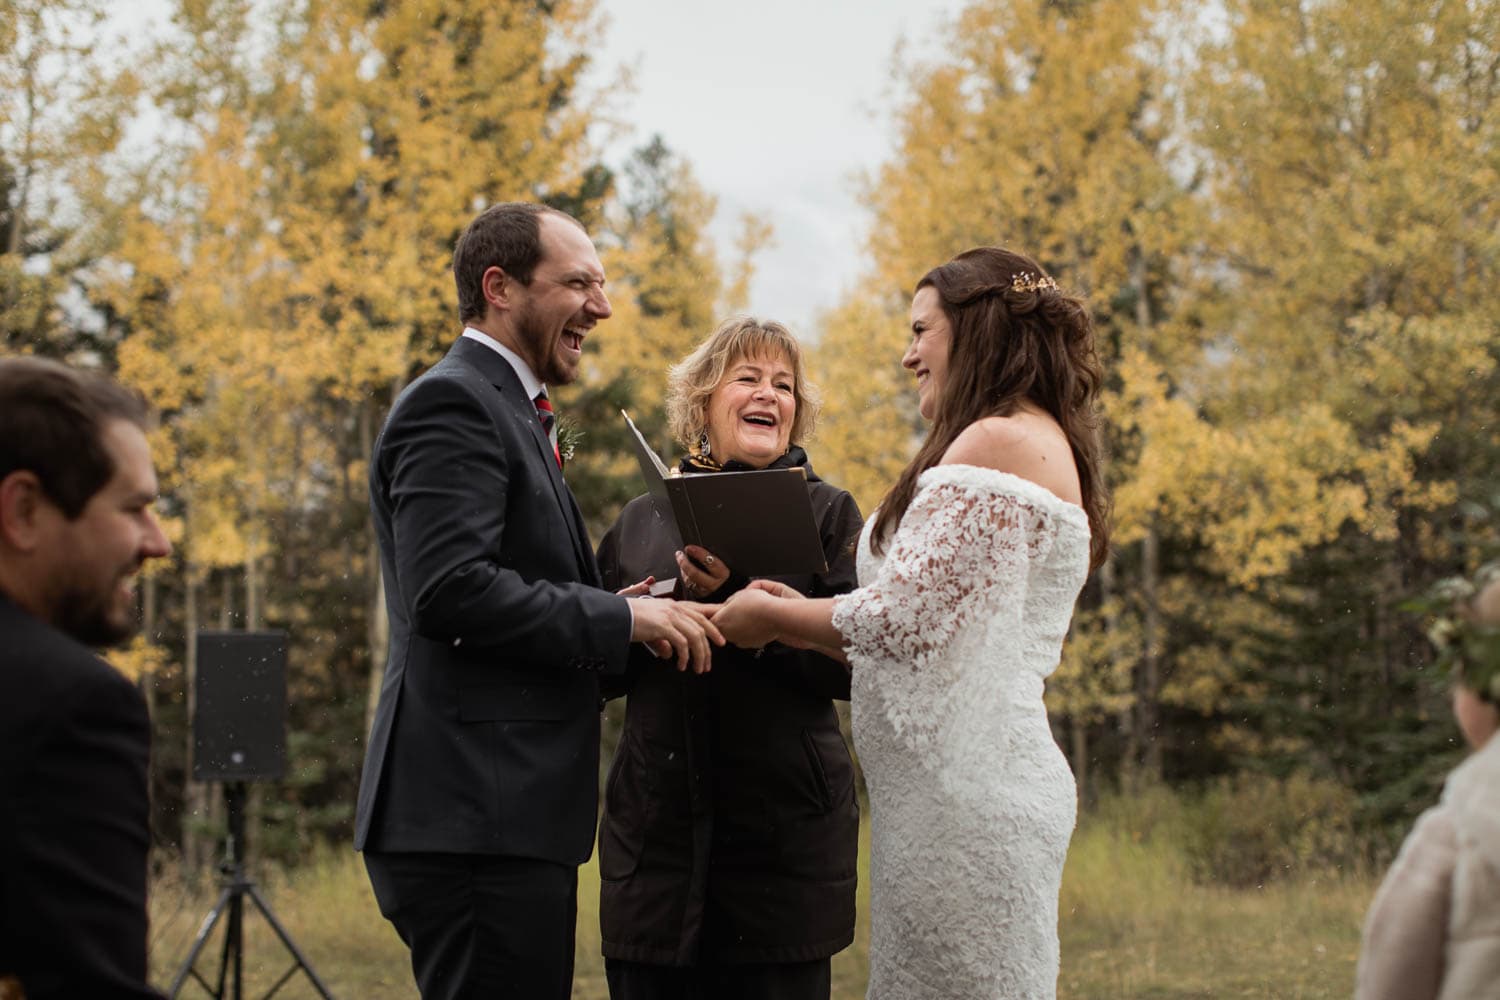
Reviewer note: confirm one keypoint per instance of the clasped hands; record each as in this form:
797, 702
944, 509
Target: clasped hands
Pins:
683, 630
746, 619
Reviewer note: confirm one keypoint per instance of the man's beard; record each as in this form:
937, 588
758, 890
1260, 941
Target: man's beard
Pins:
86, 614
548, 369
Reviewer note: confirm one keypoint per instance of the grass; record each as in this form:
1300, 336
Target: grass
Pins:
1134, 925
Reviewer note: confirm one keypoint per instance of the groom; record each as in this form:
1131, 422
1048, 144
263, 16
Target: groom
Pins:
478, 798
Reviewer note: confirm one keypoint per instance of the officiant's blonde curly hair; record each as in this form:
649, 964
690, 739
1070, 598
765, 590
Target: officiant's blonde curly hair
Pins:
693, 380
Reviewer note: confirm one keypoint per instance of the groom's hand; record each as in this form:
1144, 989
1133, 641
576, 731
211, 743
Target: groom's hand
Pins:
682, 626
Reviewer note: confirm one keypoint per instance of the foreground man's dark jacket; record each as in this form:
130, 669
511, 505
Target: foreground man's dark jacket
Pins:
74, 823
731, 825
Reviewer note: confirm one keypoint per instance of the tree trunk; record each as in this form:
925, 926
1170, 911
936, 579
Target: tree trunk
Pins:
254, 791
148, 629
378, 625
253, 583
1125, 722
147, 685
28, 143
195, 793
1079, 731
1149, 701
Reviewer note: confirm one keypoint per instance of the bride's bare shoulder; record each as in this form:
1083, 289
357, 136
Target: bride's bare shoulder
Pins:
1026, 444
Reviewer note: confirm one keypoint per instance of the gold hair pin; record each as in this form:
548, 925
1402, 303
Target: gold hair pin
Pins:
1025, 281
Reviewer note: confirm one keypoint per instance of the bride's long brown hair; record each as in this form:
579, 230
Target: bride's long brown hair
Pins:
1015, 338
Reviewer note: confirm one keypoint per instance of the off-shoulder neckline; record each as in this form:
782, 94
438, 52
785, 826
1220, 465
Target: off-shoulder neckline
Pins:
1001, 482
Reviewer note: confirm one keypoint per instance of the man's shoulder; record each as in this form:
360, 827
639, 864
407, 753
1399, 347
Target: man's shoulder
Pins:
454, 408
461, 377
43, 669
28, 637
451, 373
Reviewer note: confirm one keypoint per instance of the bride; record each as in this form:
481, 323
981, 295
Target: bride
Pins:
969, 574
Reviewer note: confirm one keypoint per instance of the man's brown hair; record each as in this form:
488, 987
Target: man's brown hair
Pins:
52, 422
507, 236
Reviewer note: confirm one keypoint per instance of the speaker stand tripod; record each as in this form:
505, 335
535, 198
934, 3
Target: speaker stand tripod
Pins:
237, 886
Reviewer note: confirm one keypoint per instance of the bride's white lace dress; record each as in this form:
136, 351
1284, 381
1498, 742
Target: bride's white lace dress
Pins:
972, 803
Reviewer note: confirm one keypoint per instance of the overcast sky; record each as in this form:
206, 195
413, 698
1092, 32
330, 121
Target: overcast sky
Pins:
778, 105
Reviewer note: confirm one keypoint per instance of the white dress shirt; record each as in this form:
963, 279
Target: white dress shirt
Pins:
529, 382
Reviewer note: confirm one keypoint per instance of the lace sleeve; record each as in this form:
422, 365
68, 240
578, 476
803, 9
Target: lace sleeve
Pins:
959, 558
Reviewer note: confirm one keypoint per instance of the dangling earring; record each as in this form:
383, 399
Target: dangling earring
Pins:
703, 444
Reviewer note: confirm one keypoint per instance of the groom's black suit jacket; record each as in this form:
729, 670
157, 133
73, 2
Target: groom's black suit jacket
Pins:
486, 734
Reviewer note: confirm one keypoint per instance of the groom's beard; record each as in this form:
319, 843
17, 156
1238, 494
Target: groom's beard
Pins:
543, 344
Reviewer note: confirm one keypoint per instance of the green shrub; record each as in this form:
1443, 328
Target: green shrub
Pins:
1250, 829
1151, 812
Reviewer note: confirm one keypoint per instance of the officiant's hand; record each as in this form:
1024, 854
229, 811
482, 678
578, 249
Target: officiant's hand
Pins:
702, 572
637, 589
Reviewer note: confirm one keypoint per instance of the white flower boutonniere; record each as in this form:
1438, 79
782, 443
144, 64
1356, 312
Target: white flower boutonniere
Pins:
568, 436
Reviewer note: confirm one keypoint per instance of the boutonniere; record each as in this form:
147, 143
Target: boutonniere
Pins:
568, 436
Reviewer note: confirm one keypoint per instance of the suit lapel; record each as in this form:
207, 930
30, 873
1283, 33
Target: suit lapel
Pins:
523, 411
586, 561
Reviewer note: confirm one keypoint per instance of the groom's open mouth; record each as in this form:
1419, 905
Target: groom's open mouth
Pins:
572, 339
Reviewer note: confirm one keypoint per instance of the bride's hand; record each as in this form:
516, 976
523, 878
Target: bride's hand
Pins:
776, 589
746, 619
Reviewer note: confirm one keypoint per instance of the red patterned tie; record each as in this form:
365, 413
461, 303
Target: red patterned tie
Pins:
549, 421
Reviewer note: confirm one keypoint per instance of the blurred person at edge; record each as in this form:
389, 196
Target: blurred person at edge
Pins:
1433, 929
727, 851
76, 488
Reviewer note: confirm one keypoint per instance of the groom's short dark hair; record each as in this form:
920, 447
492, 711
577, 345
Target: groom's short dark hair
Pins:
507, 236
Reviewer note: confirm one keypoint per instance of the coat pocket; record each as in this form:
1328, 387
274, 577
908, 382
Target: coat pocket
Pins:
622, 832
832, 770
647, 809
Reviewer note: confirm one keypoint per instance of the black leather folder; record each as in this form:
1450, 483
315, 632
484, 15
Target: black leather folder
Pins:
760, 522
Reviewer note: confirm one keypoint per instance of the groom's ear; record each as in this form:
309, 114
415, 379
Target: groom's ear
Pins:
498, 288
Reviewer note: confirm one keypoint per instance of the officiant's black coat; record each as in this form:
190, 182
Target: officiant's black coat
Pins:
730, 826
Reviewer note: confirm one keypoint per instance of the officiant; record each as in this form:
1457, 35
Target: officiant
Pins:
727, 849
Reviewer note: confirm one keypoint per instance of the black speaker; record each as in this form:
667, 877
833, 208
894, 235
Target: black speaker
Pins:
239, 728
